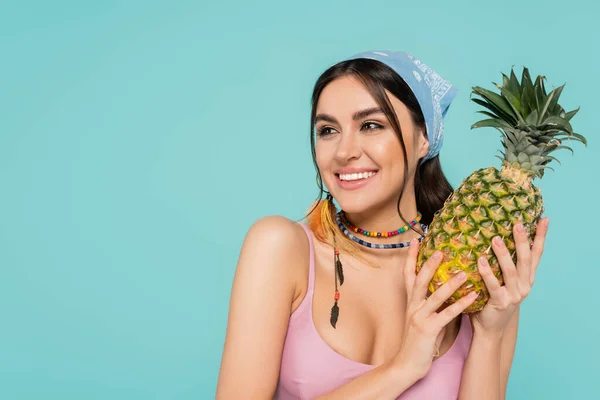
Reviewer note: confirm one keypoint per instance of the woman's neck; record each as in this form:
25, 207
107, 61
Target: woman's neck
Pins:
386, 219
382, 220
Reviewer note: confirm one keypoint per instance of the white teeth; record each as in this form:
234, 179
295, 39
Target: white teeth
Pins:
356, 176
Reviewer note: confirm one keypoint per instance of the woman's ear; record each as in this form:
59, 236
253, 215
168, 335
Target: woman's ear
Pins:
423, 146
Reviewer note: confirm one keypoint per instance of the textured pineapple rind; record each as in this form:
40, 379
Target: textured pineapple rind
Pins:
486, 204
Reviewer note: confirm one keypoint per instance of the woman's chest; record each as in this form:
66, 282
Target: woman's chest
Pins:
372, 312
372, 309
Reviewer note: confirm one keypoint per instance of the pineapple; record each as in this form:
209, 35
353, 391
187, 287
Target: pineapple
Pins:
490, 201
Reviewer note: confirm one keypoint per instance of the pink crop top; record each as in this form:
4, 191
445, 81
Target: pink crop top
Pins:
310, 368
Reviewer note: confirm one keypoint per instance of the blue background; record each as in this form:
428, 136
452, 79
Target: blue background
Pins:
139, 140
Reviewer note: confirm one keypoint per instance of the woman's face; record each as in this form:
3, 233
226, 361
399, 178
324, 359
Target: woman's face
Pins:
358, 153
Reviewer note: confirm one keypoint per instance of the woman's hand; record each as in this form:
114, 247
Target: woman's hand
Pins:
424, 326
518, 280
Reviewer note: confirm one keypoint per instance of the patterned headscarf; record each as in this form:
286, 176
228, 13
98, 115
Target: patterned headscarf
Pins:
433, 93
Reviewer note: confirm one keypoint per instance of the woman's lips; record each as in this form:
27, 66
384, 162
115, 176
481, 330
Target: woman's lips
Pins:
356, 184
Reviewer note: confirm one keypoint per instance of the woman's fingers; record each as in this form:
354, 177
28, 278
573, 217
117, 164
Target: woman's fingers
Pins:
442, 294
491, 282
509, 271
538, 246
426, 274
409, 267
444, 317
523, 253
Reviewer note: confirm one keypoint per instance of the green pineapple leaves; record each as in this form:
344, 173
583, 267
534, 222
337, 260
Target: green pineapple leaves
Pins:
531, 120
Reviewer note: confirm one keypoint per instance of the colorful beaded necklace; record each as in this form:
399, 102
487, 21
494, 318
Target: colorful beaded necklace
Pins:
349, 225
345, 231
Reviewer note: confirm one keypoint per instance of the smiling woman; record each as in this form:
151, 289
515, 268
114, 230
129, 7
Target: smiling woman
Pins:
293, 333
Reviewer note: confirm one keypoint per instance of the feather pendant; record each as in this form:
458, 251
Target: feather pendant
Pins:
339, 270
335, 312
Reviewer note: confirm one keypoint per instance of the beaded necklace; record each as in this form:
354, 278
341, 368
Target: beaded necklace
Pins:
342, 227
348, 224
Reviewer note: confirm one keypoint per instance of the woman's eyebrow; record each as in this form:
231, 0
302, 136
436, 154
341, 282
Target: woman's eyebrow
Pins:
356, 116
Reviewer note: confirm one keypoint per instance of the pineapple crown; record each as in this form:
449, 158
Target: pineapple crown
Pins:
532, 122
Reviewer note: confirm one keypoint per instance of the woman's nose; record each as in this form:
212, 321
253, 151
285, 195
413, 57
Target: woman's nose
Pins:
348, 147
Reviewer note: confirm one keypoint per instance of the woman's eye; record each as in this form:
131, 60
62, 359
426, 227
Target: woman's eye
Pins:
371, 126
325, 131
367, 126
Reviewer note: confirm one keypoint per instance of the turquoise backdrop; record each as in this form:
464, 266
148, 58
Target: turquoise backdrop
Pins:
139, 140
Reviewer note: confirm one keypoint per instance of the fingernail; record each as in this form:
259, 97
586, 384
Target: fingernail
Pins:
482, 261
520, 228
498, 241
461, 275
437, 255
473, 295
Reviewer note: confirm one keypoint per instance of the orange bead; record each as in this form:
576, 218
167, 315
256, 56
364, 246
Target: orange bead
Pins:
336, 296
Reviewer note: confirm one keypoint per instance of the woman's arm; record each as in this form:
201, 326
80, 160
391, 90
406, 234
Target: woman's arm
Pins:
263, 291
486, 371
387, 381
485, 375
507, 351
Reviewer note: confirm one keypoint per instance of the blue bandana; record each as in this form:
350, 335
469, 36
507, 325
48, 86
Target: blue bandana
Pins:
432, 91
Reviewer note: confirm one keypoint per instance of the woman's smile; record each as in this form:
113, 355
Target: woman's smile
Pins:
355, 180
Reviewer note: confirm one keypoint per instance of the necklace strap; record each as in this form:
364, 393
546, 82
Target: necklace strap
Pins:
345, 231
396, 232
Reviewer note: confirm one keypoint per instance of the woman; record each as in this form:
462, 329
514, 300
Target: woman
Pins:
321, 310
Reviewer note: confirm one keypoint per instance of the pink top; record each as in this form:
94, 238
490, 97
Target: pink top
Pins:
310, 368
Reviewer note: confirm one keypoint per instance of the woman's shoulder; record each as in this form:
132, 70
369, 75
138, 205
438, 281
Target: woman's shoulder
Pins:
279, 231
277, 249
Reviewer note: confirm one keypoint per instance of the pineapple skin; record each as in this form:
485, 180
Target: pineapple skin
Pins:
488, 203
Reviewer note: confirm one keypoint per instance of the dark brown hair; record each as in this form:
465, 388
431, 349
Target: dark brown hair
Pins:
431, 186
